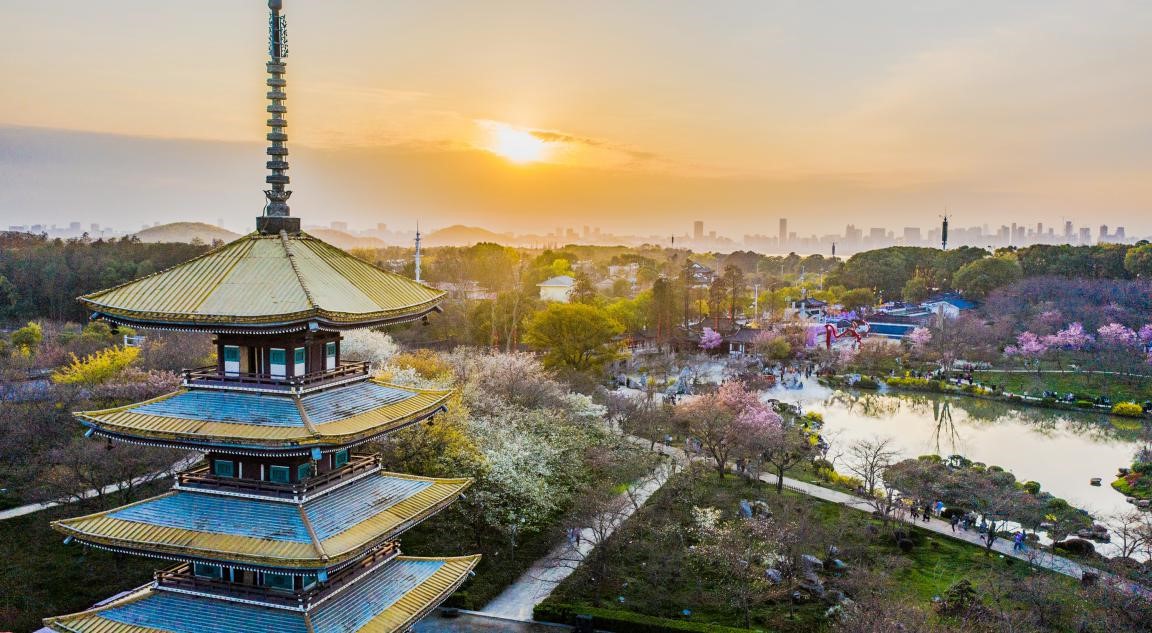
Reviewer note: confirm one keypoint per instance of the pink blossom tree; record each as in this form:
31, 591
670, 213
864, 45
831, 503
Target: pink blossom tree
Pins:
729, 423
1117, 335
710, 339
1030, 348
1145, 334
919, 339
1072, 337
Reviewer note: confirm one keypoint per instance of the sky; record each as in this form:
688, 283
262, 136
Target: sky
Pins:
638, 116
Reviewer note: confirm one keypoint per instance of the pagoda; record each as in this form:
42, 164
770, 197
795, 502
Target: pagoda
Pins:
284, 525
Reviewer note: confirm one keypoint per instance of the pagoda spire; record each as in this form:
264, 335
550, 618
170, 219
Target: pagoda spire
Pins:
276, 213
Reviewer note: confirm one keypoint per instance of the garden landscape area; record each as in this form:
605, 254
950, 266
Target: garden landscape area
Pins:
271, 425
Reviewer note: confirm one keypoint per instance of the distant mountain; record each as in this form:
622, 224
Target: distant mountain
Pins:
460, 235
186, 232
345, 241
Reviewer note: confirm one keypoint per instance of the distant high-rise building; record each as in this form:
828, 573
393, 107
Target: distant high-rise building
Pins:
1119, 234
783, 233
1069, 232
911, 236
1085, 236
698, 229
1103, 236
337, 225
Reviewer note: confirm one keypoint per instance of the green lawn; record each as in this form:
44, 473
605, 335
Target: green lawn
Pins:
648, 570
1116, 388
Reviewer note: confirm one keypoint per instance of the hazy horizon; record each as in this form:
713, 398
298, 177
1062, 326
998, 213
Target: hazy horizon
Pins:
639, 117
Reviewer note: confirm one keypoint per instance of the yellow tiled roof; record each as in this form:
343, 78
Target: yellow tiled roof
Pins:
140, 420
270, 533
268, 280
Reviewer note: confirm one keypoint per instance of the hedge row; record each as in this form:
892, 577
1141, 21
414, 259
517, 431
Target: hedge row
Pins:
622, 621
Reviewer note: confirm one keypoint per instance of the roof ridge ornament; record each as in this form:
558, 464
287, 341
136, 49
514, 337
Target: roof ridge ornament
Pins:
276, 217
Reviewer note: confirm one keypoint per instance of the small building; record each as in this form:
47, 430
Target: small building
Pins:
741, 342
700, 275
558, 288
949, 305
809, 309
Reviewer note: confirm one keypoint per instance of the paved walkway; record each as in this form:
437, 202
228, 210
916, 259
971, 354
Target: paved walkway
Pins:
537, 583
20, 511
474, 622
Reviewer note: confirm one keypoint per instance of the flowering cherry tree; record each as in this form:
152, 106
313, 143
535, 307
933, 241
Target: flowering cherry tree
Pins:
920, 338
1029, 347
1072, 337
1145, 334
730, 423
1117, 335
711, 339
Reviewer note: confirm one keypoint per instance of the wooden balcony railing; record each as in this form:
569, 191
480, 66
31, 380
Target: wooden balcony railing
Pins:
211, 376
181, 577
202, 477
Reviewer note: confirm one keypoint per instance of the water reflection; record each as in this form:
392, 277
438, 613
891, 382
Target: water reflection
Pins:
1062, 450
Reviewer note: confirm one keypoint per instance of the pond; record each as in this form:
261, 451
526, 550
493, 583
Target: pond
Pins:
1062, 450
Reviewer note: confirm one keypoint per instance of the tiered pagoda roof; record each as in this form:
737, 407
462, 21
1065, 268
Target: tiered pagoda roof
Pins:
285, 422
321, 532
282, 281
391, 598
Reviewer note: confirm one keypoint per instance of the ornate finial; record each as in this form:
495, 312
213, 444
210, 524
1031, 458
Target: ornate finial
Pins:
276, 213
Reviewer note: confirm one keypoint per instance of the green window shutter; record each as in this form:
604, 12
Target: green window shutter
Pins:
223, 468
339, 458
278, 581
298, 355
279, 474
204, 570
303, 471
276, 356
330, 349
231, 354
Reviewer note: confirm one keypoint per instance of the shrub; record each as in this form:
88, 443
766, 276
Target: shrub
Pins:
867, 382
28, 337
622, 621
97, 367
1128, 409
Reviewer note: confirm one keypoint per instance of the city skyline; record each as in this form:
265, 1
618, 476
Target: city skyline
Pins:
489, 115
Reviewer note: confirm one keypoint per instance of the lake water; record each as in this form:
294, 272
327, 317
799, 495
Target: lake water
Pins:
1062, 450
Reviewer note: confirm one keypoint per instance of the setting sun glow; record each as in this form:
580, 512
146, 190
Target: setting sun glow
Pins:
516, 145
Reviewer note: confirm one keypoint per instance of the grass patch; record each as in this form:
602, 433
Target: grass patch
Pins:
1115, 388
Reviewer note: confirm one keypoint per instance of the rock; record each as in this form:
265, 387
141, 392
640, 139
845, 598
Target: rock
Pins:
1089, 578
905, 545
1123, 472
834, 597
1131, 500
810, 562
1143, 503
1095, 481
774, 575
1076, 546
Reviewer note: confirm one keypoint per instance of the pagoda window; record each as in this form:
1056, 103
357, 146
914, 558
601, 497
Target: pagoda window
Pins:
278, 581
299, 358
223, 468
303, 471
204, 570
279, 474
339, 458
308, 582
231, 360
330, 355
277, 362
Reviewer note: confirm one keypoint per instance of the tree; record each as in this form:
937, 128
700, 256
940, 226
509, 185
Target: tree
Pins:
731, 421
858, 299
733, 280
1138, 261
787, 445
917, 289
96, 368
710, 339
28, 337
868, 459
734, 557
982, 276
574, 335
583, 291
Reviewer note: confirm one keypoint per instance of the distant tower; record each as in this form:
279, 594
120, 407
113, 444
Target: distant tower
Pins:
783, 233
944, 234
418, 252
698, 230
833, 250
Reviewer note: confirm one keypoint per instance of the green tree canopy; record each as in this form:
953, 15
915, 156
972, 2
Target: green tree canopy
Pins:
982, 276
574, 335
1138, 261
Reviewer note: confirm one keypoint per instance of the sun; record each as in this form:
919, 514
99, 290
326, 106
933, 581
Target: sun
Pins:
516, 145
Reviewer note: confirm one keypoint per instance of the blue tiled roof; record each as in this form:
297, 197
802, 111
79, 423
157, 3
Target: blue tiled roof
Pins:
337, 511
952, 299
225, 406
350, 400
330, 514
347, 612
222, 515
371, 596
182, 613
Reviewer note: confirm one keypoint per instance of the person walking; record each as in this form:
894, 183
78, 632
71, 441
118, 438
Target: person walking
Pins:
1018, 542
955, 520
927, 512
